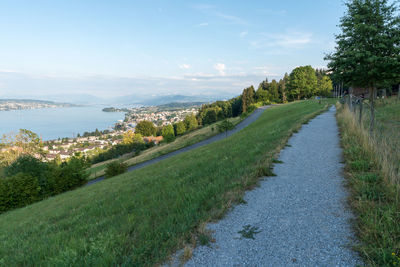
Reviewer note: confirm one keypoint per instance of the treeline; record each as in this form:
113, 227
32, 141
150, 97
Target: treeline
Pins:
303, 82
28, 180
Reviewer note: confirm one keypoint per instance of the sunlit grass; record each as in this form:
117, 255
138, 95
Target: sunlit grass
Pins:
141, 217
180, 142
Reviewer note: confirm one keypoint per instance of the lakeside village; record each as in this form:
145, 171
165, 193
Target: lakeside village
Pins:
98, 141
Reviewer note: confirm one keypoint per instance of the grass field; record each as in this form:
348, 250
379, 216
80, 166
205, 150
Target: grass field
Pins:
372, 163
141, 217
182, 141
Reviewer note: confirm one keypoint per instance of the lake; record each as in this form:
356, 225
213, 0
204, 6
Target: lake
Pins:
52, 123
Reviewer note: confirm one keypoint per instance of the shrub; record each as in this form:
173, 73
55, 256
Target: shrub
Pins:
114, 168
17, 191
30, 180
168, 133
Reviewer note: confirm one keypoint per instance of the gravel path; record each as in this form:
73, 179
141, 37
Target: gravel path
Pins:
254, 116
300, 215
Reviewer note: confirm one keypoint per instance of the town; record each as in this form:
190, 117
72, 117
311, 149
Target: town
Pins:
93, 143
20, 104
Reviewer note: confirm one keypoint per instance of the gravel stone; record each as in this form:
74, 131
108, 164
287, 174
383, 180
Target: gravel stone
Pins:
301, 214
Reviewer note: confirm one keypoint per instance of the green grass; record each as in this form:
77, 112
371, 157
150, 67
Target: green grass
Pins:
140, 218
180, 142
374, 195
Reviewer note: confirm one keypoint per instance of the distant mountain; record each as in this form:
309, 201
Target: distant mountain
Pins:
128, 100
164, 99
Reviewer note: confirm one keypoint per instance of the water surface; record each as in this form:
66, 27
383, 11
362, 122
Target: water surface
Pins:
52, 123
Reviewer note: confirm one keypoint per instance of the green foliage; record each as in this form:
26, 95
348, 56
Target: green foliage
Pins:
225, 126
368, 48
146, 128
324, 86
168, 133
115, 168
140, 217
249, 231
130, 137
302, 83
17, 191
211, 115
179, 128
120, 149
26, 164
29, 180
248, 98
24, 142
190, 122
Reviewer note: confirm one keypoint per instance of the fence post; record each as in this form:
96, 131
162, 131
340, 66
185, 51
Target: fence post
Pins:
350, 103
361, 110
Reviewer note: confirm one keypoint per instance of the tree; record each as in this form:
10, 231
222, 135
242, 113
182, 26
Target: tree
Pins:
115, 168
179, 128
25, 142
210, 116
129, 137
274, 91
190, 122
324, 86
367, 52
302, 82
225, 126
168, 133
248, 98
145, 128
282, 88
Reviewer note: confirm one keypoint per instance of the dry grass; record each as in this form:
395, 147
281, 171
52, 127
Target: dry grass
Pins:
374, 186
384, 141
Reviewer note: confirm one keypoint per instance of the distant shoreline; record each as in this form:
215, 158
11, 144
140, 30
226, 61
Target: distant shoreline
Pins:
24, 104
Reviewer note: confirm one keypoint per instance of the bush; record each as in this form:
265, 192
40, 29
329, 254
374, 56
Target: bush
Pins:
17, 191
168, 133
114, 168
30, 180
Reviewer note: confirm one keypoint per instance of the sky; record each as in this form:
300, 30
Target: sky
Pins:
116, 48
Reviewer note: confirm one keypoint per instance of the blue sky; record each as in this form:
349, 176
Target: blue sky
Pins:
114, 48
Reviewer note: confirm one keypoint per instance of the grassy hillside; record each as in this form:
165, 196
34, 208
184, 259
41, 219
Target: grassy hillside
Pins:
182, 141
372, 169
141, 217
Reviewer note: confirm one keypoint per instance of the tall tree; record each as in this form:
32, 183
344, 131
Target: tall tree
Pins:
274, 91
302, 82
367, 53
248, 97
283, 88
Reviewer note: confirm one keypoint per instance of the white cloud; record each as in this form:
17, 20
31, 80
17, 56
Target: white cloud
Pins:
220, 67
184, 66
243, 34
290, 40
202, 24
230, 18
264, 70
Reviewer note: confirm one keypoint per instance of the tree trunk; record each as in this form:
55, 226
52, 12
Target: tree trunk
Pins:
398, 93
361, 110
371, 99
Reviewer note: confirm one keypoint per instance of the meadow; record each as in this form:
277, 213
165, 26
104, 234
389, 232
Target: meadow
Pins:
190, 138
141, 217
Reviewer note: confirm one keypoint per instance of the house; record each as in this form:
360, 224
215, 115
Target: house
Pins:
64, 155
156, 140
